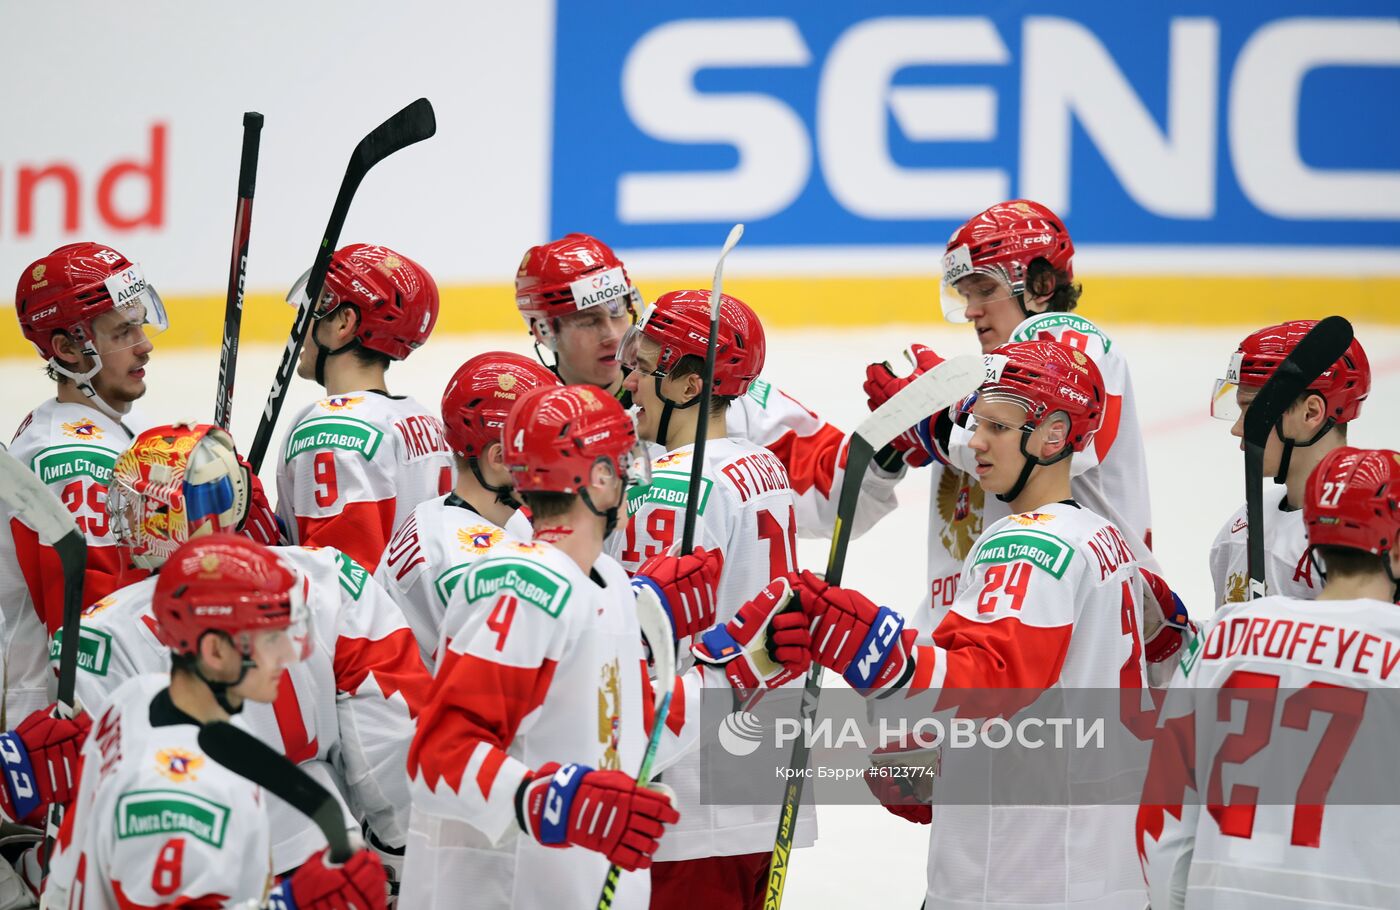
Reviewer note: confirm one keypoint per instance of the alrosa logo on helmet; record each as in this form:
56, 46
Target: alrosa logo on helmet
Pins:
957, 263
601, 288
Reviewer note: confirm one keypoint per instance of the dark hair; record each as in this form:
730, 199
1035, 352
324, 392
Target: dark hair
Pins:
1041, 276
369, 358
693, 365
1348, 562
548, 504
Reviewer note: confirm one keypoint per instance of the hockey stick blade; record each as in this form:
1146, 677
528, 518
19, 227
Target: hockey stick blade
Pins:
254, 760
707, 381
944, 385
1319, 349
412, 124
656, 628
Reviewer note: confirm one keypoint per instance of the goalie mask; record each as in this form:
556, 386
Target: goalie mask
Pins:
175, 483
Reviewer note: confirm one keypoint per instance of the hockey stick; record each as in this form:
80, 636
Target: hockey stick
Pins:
28, 497
656, 627
412, 124
1319, 349
252, 759
944, 385
707, 377
237, 268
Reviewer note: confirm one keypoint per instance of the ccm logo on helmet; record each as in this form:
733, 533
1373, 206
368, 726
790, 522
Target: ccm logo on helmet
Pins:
44, 313
596, 437
1072, 395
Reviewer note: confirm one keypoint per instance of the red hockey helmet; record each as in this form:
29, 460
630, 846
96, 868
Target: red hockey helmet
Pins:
679, 322
1002, 242
554, 437
1046, 377
1344, 386
72, 286
572, 274
174, 483
225, 583
480, 395
396, 297
1353, 500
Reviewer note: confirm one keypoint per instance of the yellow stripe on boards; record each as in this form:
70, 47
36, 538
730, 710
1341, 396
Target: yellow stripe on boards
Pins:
197, 321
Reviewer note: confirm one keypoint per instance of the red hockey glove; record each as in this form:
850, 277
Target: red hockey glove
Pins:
685, 585
261, 522
40, 761
762, 646
318, 884
901, 777
603, 811
1166, 621
865, 643
881, 384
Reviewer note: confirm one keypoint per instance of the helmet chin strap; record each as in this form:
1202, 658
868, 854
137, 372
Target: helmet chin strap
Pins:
609, 516
505, 493
1032, 462
666, 412
1289, 444
220, 689
83, 382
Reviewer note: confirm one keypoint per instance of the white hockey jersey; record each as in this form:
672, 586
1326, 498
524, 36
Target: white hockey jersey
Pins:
157, 823
544, 664
1050, 599
354, 466
1287, 569
747, 511
72, 448
345, 714
1291, 690
1109, 478
429, 554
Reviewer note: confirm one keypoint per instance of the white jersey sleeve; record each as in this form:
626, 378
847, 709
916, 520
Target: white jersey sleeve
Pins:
428, 556
1288, 569
72, 449
157, 822
354, 466
814, 454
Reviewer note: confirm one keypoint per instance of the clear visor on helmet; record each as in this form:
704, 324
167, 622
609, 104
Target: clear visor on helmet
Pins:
636, 465
137, 313
1224, 401
634, 343
289, 645
963, 285
299, 294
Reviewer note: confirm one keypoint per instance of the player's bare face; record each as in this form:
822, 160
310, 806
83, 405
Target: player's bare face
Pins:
587, 346
996, 444
122, 344
991, 308
1273, 449
273, 651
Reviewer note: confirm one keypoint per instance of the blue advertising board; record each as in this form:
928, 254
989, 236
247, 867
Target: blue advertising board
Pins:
890, 122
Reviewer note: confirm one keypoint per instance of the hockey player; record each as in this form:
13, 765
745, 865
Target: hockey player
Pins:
433, 549
1052, 598
540, 709
717, 855
344, 713
577, 300
355, 463
158, 823
90, 313
1265, 841
1307, 432
1009, 272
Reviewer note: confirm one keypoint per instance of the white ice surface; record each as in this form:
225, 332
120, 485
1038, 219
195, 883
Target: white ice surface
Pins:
864, 856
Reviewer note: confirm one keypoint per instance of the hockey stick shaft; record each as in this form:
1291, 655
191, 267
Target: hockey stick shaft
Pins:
254, 760
702, 427
412, 124
238, 268
940, 387
1320, 348
656, 627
